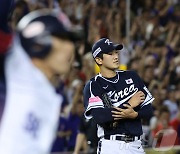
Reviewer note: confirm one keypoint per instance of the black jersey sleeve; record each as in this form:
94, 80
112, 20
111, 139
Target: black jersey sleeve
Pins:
146, 112
148, 96
103, 115
92, 98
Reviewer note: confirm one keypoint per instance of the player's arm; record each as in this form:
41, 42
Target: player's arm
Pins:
102, 115
94, 105
80, 140
137, 99
126, 110
81, 137
148, 96
129, 113
145, 110
124, 113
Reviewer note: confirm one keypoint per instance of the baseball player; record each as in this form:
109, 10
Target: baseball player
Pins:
42, 51
117, 100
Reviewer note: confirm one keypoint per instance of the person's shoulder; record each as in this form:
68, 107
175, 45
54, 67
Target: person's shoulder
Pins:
93, 83
89, 83
129, 73
87, 86
125, 72
94, 80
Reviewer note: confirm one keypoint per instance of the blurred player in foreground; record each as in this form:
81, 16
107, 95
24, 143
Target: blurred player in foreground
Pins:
43, 50
117, 100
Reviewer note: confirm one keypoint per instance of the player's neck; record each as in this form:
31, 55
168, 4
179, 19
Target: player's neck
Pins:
45, 70
107, 73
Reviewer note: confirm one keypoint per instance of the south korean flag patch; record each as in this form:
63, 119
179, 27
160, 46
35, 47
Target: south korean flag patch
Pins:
129, 81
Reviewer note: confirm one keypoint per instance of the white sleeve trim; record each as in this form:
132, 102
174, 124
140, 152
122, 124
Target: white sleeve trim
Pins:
94, 102
147, 102
87, 112
149, 98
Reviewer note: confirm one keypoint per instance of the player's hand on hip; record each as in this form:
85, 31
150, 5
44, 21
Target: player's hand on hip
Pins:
137, 99
128, 113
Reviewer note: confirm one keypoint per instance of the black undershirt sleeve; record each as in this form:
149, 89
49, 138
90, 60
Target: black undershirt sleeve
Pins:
145, 112
102, 115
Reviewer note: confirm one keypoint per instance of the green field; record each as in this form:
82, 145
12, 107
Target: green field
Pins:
174, 150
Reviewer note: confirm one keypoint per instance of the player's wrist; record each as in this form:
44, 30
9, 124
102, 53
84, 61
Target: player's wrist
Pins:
132, 104
135, 114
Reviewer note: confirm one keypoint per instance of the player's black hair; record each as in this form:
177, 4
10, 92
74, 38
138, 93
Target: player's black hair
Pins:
100, 56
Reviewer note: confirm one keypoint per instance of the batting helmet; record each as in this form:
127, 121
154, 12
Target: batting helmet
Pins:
36, 29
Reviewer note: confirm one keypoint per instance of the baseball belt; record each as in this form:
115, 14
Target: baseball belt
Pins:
126, 138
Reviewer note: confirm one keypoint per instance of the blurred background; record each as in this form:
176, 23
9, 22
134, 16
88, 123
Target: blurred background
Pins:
150, 32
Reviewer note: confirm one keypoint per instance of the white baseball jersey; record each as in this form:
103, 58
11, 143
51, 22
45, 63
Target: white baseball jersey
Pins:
32, 108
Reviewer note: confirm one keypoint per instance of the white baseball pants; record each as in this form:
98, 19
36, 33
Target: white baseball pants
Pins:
119, 147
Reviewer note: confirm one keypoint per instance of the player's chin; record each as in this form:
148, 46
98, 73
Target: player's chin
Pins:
64, 70
116, 66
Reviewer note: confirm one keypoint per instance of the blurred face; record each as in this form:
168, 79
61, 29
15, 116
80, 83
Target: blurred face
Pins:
61, 56
79, 109
163, 94
135, 65
172, 95
149, 73
165, 117
110, 60
150, 60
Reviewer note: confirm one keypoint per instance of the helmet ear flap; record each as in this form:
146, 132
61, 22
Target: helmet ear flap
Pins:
38, 46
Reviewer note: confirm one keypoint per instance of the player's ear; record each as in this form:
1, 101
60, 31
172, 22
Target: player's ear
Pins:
98, 60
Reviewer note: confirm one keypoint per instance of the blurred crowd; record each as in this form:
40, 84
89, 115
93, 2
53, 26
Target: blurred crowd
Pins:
152, 50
